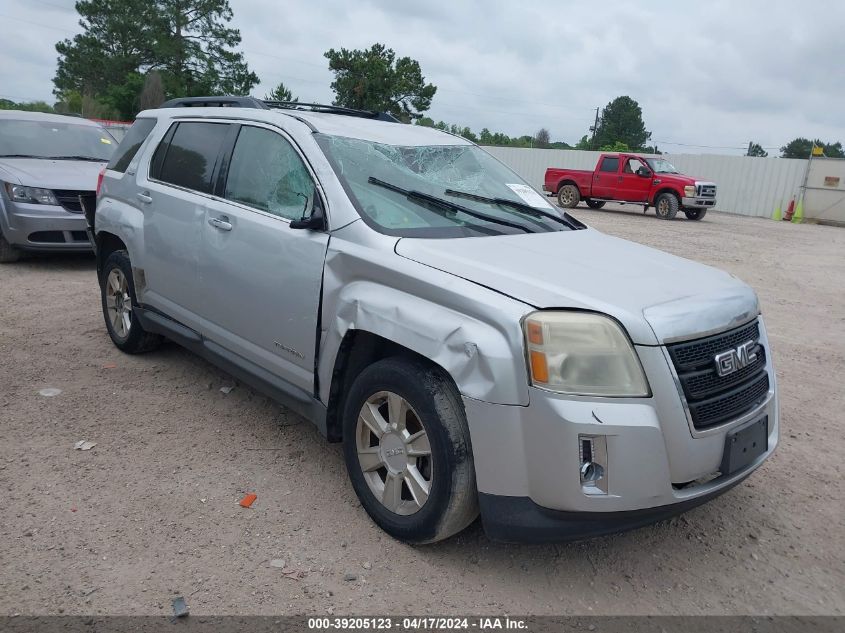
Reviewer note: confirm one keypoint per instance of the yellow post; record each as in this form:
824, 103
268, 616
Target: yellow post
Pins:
777, 215
799, 212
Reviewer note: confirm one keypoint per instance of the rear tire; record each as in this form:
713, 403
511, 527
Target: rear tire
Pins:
8, 253
568, 196
695, 214
408, 452
666, 206
595, 204
117, 291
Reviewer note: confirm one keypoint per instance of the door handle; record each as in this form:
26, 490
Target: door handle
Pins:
144, 197
220, 223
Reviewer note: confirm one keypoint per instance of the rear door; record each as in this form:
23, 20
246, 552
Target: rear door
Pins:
605, 177
173, 195
260, 278
631, 186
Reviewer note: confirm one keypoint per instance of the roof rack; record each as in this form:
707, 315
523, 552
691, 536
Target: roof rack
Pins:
332, 109
252, 102
214, 102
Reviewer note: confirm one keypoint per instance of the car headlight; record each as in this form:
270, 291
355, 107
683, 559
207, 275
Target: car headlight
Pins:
689, 191
582, 353
31, 195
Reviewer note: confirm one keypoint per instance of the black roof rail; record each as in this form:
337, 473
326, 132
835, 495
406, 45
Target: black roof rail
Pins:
332, 109
214, 102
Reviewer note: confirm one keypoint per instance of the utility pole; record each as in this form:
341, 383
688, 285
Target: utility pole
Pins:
594, 128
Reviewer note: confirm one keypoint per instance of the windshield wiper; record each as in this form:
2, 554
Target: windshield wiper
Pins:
521, 206
91, 158
20, 156
426, 199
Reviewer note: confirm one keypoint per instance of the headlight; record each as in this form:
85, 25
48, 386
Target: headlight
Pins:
689, 191
582, 353
31, 195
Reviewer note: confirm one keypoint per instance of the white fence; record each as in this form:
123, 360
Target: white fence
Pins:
747, 186
825, 197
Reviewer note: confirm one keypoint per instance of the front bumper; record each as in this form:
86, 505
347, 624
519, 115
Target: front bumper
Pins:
527, 459
698, 203
34, 227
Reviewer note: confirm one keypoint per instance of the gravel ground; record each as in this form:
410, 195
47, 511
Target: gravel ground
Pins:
152, 510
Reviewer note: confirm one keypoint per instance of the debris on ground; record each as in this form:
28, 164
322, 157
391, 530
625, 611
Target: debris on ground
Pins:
110, 366
248, 500
180, 607
278, 563
350, 577
295, 574
49, 392
84, 445
227, 388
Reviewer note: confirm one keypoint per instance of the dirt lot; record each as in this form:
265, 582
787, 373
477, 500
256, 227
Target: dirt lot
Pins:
152, 511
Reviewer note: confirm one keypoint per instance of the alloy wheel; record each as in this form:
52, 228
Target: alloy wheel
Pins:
394, 453
118, 303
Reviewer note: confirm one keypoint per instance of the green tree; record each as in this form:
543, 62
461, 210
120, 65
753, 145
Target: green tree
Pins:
374, 79
542, 138
622, 121
30, 106
187, 41
755, 149
584, 144
281, 93
152, 94
801, 148
615, 147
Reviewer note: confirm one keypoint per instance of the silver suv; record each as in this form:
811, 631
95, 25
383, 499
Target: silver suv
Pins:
474, 348
48, 164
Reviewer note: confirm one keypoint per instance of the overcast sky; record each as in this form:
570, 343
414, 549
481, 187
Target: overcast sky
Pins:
716, 74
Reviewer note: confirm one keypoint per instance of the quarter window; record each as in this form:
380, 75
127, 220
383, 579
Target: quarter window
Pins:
610, 164
266, 173
131, 143
189, 159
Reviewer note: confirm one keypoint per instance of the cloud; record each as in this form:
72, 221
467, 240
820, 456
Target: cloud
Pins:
718, 73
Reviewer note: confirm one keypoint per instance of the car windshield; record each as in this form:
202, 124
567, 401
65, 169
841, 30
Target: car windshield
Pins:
661, 166
48, 139
437, 190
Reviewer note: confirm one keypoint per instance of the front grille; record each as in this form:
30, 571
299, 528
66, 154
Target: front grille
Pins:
705, 191
714, 399
69, 198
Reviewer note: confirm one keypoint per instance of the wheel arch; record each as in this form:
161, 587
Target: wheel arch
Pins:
107, 243
663, 190
567, 181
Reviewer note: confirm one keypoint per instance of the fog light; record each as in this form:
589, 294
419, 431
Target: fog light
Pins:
592, 451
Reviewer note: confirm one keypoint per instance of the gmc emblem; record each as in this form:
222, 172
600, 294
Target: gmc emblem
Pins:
735, 359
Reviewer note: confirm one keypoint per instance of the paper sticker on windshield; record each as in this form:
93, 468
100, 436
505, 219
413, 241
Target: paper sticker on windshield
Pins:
105, 141
529, 196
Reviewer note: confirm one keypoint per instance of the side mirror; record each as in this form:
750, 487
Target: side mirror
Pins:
644, 172
316, 221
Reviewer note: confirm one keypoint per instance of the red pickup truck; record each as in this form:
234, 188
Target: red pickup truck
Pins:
631, 178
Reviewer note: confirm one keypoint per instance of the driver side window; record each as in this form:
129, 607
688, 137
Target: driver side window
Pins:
266, 173
633, 165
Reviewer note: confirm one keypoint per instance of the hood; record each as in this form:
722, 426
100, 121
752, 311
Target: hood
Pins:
657, 297
675, 179
51, 174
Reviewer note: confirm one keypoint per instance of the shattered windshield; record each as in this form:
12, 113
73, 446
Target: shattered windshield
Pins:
661, 166
416, 175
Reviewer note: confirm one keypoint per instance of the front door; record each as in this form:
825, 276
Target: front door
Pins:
632, 186
260, 278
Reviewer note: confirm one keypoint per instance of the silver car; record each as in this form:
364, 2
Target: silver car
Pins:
49, 165
474, 348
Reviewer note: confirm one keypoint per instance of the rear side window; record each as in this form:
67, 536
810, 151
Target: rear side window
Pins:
189, 159
131, 143
610, 164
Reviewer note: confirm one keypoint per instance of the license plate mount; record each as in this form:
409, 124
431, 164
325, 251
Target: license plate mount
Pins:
744, 445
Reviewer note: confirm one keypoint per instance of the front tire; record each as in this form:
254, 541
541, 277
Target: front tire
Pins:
8, 253
407, 449
568, 196
666, 206
595, 204
695, 214
117, 291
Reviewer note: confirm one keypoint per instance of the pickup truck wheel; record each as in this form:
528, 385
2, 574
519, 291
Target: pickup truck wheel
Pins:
568, 196
595, 204
408, 452
666, 206
694, 214
8, 253
117, 289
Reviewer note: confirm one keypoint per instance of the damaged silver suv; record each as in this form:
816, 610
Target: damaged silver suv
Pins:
474, 348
